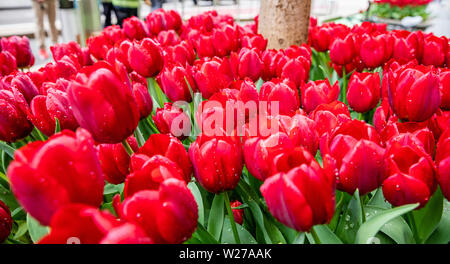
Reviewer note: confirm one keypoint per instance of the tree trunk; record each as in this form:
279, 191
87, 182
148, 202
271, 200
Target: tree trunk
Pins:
284, 22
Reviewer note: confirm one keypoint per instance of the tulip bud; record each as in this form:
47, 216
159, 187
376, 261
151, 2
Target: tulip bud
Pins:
254, 41
45, 176
329, 116
182, 53
143, 99
7, 63
160, 212
172, 80
238, 214
342, 50
318, 92
434, 50
6, 222
160, 20
115, 161
249, 64
145, 57
171, 119
363, 92
444, 77
217, 162
25, 86
103, 103
283, 92
20, 48
14, 124
301, 197
211, 75
134, 28
410, 172
414, 93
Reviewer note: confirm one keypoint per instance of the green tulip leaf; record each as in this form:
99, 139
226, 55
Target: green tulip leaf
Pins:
227, 234
36, 230
216, 216
323, 235
428, 217
198, 198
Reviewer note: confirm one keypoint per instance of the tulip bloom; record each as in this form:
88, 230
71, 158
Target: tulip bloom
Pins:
115, 161
134, 28
20, 48
182, 53
342, 50
261, 149
251, 41
414, 93
7, 63
145, 57
46, 108
295, 70
172, 80
375, 50
14, 124
211, 75
120, 54
82, 224
355, 147
172, 120
444, 77
434, 50
282, 92
363, 92
329, 116
217, 162
103, 104
410, 172
166, 146
161, 19
318, 92
71, 48
143, 99
302, 197
168, 214
45, 176
6, 222
249, 64
443, 163
168, 38
25, 85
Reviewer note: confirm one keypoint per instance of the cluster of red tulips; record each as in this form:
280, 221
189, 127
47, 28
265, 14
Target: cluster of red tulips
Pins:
403, 2
96, 146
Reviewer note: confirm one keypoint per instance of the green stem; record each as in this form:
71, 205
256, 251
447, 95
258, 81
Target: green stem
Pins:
231, 217
412, 223
344, 85
361, 198
127, 147
315, 236
139, 137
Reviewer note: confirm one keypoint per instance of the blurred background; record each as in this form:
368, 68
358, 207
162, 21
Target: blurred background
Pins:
17, 17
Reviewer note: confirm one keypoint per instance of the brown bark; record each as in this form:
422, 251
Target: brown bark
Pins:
284, 22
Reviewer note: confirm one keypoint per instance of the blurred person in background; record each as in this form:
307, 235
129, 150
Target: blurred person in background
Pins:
125, 9
108, 8
156, 4
42, 7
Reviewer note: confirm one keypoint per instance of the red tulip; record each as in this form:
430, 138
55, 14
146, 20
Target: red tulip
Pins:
161, 19
407, 46
143, 99
375, 50
217, 162
172, 120
172, 81
211, 75
363, 92
120, 53
145, 57
410, 172
414, 93
44, 109
249, 64
14, 124
444, 77
100, 44
25, 86
168, 38
134, 28
166, 146
115, 161
342, 50
283, 92
302, 197
329, 116
254, 41
225, 40
434, 50
103, 104
355, 146
295, 70
182, 53
20, 48
262, 148
71, 48
7, 63
45, 176
6, 222
81, 224
318, 92
238, 214
443, 163
168, 215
